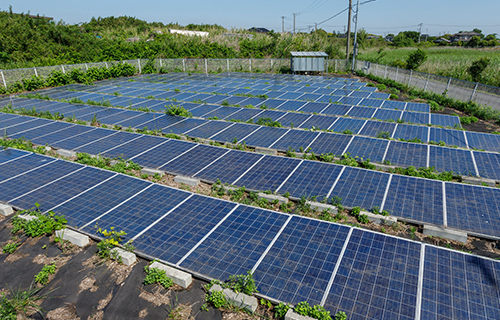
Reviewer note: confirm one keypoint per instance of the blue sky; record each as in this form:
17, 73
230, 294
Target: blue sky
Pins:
379, 17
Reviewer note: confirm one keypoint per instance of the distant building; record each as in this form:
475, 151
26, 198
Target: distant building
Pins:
259, 30
464, 36
389, 38
33, 16
442, 40
189, 33
237, 35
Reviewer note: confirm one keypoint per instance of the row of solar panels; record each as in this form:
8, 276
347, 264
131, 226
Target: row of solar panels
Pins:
462, 162
365, 274
466, 207
280, 78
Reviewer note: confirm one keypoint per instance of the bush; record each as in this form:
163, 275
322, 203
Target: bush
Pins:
416, 59
477, 68
468, 120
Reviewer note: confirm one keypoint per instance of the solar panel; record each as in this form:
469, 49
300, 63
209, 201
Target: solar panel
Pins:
10, 131
272, 114
195, 160
330, 143
301, 261
361, 112
11, 154
416, 117
72, 131
407, 154
20, 165
409, 132
183, 126
377, 278
237, 244
309, 97
378, 129
313, 107
291, 95
388, 114
473, 208
347, 125
107, 143
369, 195
265, 136
456, 160
377, 103
449, 137
488, 164
337, 109
295, 139
82, 139
174, 235
135, 147
160, 122
293, 119
56, 126
318, 122
445, 120
368, 148
158, 156
459, 286
358, 94
489, 142
203, 109
56, 193
415, 199
268, 174
416, 106
137, 122
393, 104
222, 112
291, 105
209, 129
238, 132
350, 101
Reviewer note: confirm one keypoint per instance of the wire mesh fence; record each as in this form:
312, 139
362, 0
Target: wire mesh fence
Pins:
454, 88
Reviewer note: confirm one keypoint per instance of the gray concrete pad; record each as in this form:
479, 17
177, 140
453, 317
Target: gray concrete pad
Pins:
6, 210
241, 300
380, 219
271, 152
187, 180
322, 206
479, 181
180, 278
443, 232
66, 153
74, 237
128, 258
291, 315
272, 197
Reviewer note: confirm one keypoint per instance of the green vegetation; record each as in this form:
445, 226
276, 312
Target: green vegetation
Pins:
317, 312
268, 122
242, 283
156, 275
44, 224
112, 238
175, 110
9, 248
21, 144
429, 173
18, 304
468, 120
43, 276
120, 166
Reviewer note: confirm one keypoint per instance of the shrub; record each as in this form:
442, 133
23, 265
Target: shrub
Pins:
415, 59
156, 275
468, 120
477, 68
174, 110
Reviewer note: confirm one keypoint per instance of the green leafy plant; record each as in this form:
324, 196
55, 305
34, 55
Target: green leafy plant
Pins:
44, 224
43, 276
281, 309
180, 111
468, 120
268, 122
156, 275
243, 283
416, 59
21, 303
112, 238
317, 312
9, 248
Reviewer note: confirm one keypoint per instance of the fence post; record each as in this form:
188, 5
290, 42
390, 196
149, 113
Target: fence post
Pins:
447, 86
336, 68
62, 67
36, 73
396, 78
3, 79
385, 75
206, 66
161, 64
86, 67
409, 78
106, 63
271, 64
474, 92
183, 65
250, 64
426, 82
139, 64
227, 65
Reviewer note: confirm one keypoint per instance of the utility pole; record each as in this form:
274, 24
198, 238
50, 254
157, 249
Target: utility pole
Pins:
355, 48
348, 30
419, 31
294, 14
282, 24
315, 27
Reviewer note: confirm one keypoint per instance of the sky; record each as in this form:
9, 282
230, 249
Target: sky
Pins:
378, 17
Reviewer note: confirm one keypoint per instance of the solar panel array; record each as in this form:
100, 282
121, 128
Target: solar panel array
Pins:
368, 275
462, 162
405, 197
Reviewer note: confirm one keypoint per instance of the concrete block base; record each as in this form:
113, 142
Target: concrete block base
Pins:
272, 197
128, 258
291, 315
74, 237
26, 217
180, 278
6, 210
479, 181
66, 153
446, 233
239, 299
186, 180
380, 219
322, 206
383, 167
271, 152
48, 149
151, 172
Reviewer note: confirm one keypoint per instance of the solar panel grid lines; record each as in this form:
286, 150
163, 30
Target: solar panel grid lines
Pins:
7, 155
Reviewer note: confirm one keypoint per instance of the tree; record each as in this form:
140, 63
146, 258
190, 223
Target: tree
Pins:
415, 59
474, 42
477, 68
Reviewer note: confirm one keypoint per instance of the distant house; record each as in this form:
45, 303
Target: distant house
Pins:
389, 38
33, 16
464, 36
442, 40
189, 33
259, 30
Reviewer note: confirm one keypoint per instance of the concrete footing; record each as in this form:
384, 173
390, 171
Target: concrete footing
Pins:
127, 258
272, 197
74, 237
239, 299
322, 206
446, 233
180, 278
66, 153
26, 217
6, 210
291, 315
479, 181
186, 180
380, 219
271, 152
151, 172
383, 167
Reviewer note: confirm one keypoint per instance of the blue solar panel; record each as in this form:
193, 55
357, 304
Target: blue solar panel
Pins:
268, 174
295, 139
368, 148
415, 199
74, 130
350, 101
237, 244
62, 190
184, 126
312, 107
483, 141
209, 129
409, 132
230, 167
415, 106
272, 114
392, 104
55, 126
456, 160
216, 98
337, 109
448, 136
160, 122
369, 195
194, 160
251, 102
160, 155
361, 112
459, 286
133, 148
113, 119
473, 208
172, 237
141, 211
407, 154
379, 95
238, 132
445, 120
377, 103
318, 122
416, 117
488, 164
291, 105
222, 112
311, 179
378, 129
265, 136
82, 139
107, 143
15, 121
21, 165
387, 114
348, 125
88, 206
203, 109
301, 261
309, 97
10, 154
291, 95
330, 143
358, 94
377, 278
293, 119
137, 122
27, 182
24, 126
